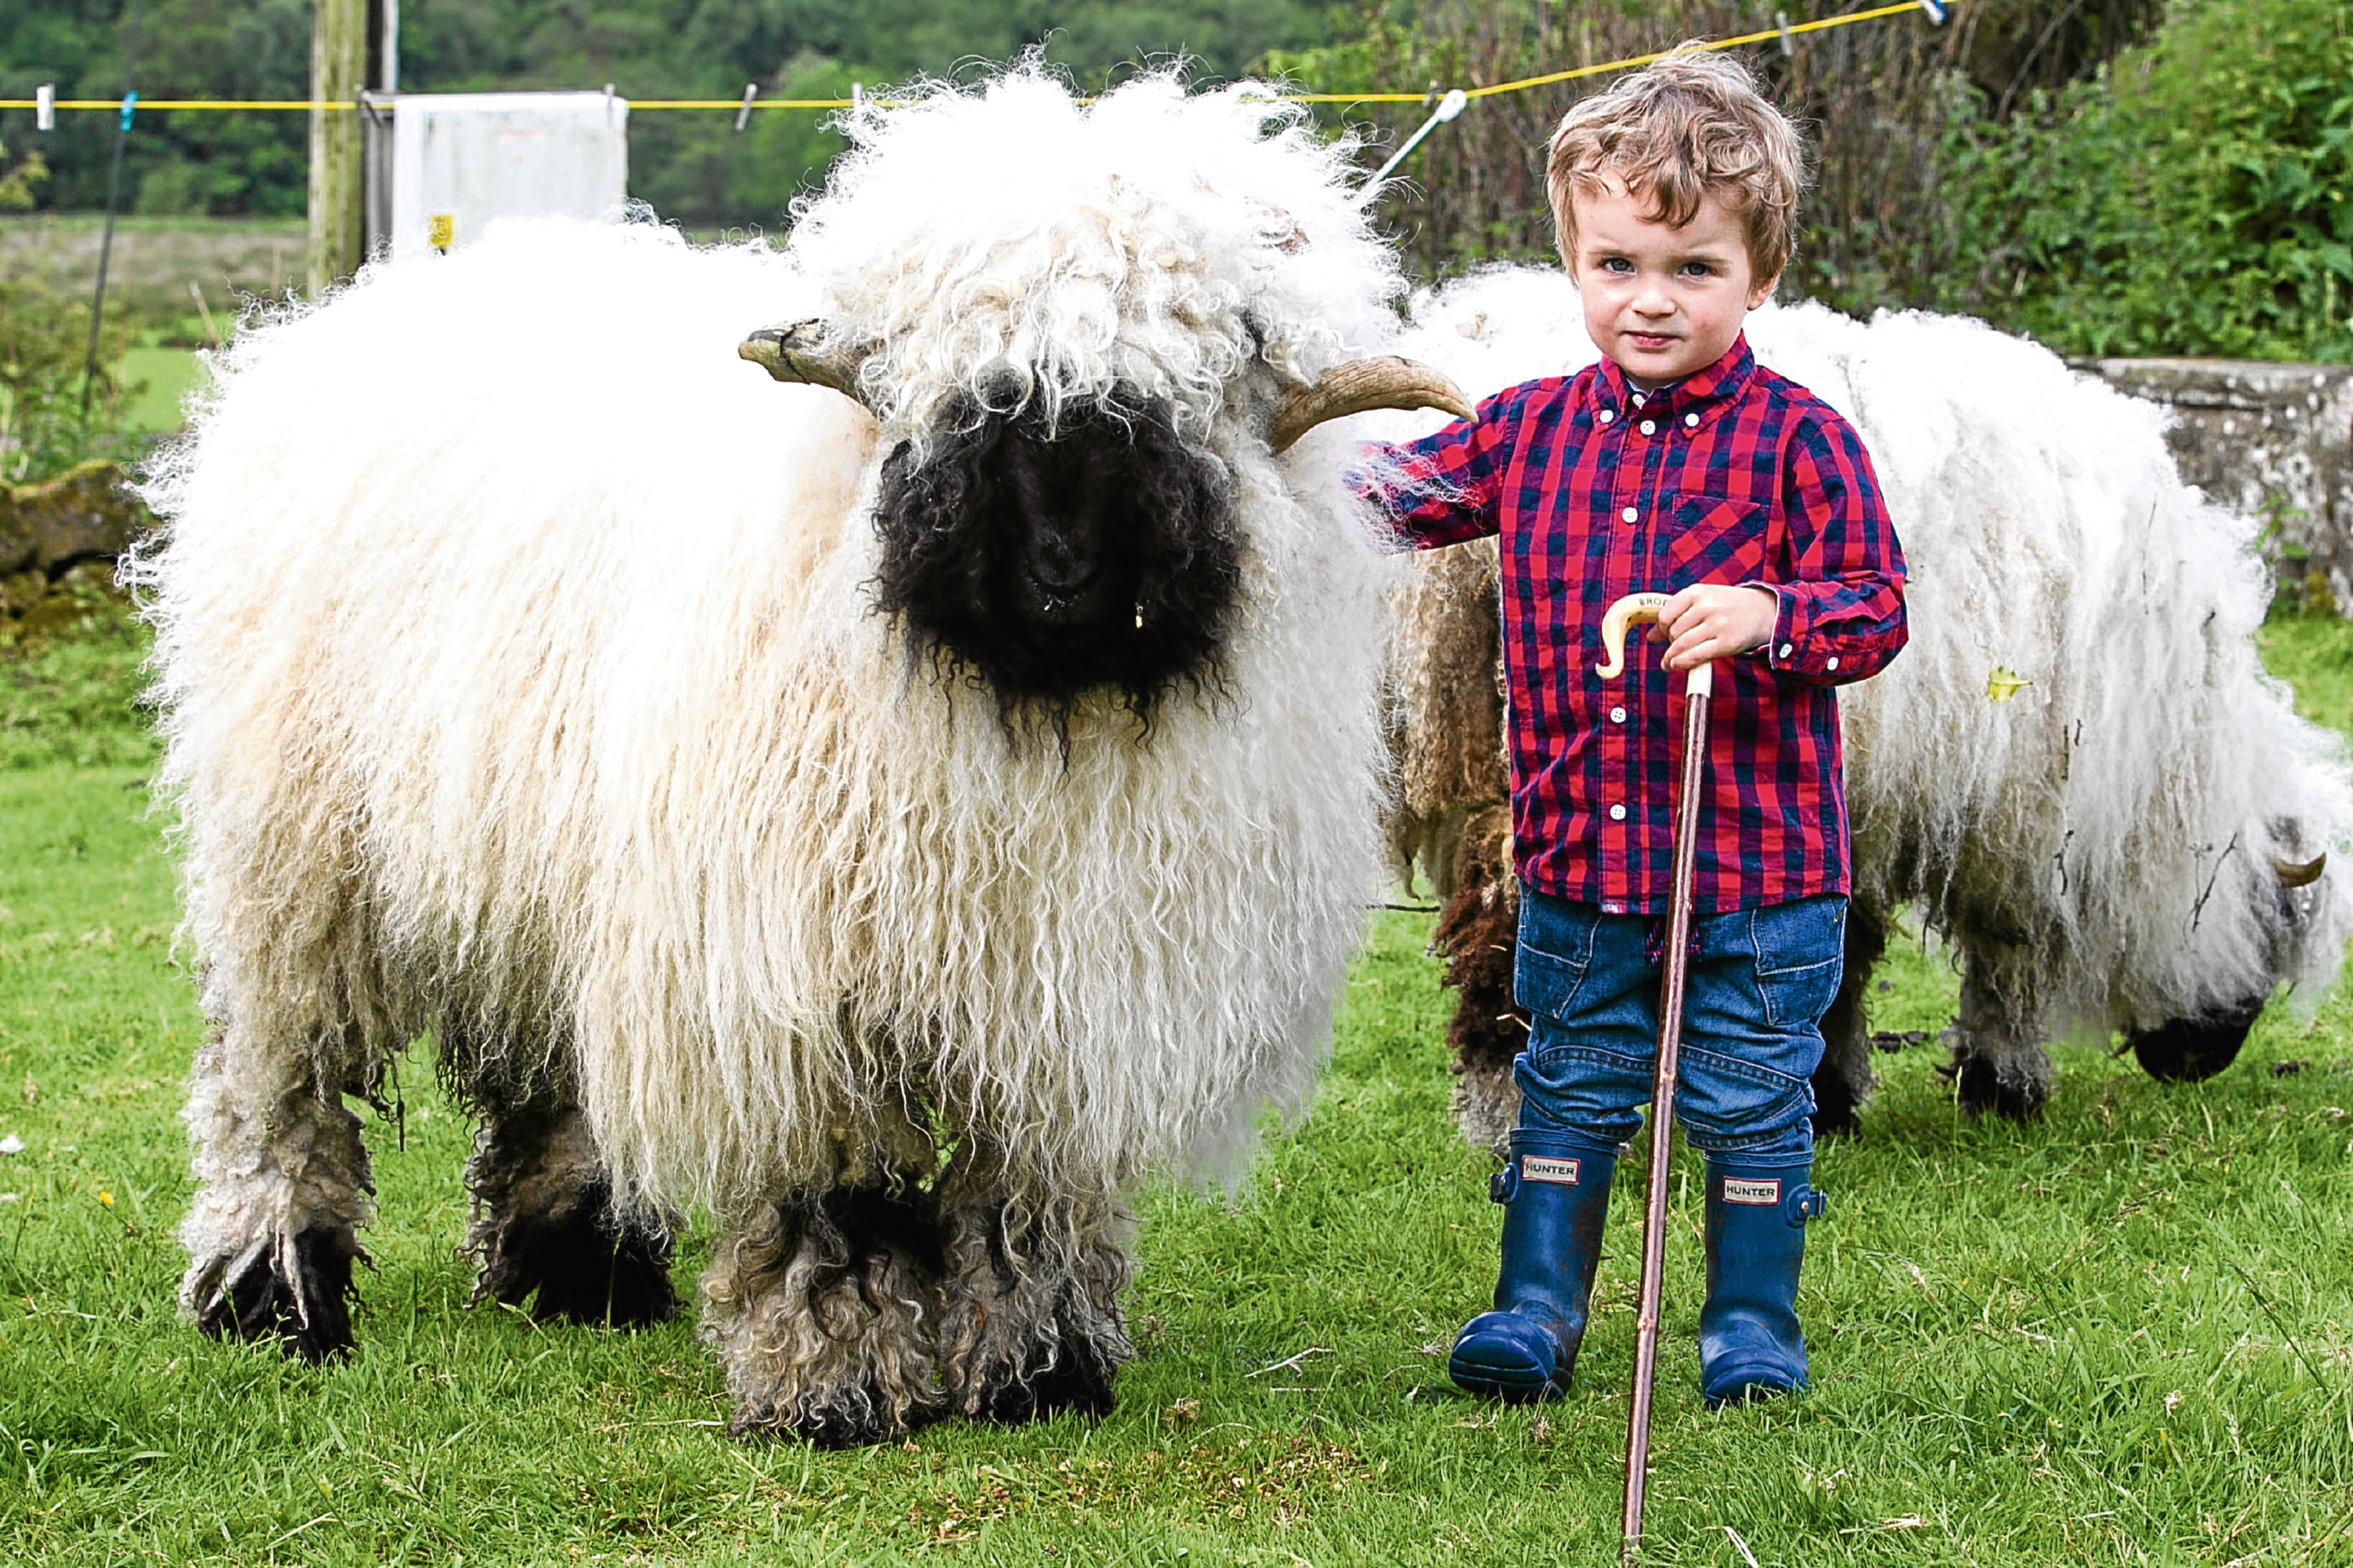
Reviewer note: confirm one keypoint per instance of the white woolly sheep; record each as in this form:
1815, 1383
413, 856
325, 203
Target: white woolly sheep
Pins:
2127, 841
899, 832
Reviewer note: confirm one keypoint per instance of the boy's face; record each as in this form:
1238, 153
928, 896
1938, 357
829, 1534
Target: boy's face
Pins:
1659, 301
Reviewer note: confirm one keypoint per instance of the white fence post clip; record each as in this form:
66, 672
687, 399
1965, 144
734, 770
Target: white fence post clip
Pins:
1448, 107
1788, 43
744, 109
44, 107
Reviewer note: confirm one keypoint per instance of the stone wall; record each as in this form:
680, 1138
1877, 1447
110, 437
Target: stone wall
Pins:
59, 542
2275, 441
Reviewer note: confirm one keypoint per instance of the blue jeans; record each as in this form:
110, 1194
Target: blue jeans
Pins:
1757, 985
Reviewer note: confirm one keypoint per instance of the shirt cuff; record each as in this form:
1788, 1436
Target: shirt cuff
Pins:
1773, 647
1795, 648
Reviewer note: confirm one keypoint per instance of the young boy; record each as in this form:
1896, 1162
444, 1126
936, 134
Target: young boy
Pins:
1676, 465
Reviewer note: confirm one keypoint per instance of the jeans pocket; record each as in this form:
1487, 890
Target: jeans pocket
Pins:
1800, 959
1550, 959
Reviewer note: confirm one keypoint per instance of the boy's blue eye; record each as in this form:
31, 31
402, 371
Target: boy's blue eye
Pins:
1616, 264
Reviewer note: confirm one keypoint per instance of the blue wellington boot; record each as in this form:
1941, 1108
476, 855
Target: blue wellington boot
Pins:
1554, 1197
1749, 1344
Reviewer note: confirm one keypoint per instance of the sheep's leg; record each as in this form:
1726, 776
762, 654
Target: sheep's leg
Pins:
1476, 933
1845, 1079
1032, 1322
283, 1187
1999, 1062
823, 1309
544, 1221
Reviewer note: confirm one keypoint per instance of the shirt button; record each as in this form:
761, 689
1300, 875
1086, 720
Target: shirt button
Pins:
1607, 415
1785, 650
1691, 422
1650, 428
1616, 813
1630, 514
1617, 715
1833, 661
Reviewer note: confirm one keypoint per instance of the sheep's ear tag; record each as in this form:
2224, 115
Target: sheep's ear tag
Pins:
2003, 684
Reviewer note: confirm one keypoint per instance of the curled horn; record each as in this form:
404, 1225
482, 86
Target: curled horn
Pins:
797, 352
2292, 875
1386, 382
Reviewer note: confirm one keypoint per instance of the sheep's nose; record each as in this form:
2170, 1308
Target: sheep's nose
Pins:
1058, 565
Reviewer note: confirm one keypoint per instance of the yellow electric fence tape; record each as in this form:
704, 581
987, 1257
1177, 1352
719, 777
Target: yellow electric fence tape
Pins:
638, 105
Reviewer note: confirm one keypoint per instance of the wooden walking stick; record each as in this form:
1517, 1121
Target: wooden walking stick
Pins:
1698, 685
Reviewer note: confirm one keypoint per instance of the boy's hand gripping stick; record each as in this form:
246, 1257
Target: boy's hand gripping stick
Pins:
1698, 685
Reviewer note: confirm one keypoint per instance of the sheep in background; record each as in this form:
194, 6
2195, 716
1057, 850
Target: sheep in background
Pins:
1446, 706
2131, 839
899, 821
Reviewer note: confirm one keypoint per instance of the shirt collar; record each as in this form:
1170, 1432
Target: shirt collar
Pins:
1703, 392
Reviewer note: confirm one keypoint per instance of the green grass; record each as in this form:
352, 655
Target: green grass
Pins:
71, 702
168, 374
2315, 654
2123, 1336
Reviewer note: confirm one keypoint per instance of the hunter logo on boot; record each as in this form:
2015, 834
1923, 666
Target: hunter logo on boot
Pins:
1764, 1194
1544, 1168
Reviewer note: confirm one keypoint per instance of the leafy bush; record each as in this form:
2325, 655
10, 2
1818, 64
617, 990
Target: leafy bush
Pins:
16, 181
44, 342
2195, 198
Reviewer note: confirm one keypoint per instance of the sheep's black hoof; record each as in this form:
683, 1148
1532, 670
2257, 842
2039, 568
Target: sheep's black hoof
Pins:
1079, 1381
2189, 1050
1980, 1087
309, 1315
583, 1267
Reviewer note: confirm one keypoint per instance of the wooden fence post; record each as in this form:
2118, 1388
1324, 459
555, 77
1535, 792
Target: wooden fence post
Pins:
339, 68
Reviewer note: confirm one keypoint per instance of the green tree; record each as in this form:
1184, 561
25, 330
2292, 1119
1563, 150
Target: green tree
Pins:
690, 165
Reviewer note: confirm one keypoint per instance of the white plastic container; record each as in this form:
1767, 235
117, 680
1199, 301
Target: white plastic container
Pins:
461, 159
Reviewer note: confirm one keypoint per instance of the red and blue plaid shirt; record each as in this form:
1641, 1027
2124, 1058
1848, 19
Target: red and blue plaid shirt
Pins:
1731, 475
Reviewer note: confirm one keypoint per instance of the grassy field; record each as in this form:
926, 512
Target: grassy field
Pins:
167, 375
2123, 1336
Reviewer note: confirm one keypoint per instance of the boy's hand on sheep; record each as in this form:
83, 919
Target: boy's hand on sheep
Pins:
1715, 620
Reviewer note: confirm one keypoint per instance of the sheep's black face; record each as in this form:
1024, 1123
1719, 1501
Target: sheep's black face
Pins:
2190, 1049
1047, 563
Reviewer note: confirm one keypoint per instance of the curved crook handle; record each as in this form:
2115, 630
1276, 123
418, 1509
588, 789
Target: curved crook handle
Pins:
1636, 610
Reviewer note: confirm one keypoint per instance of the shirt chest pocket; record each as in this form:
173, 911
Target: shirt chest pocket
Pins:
1709, 539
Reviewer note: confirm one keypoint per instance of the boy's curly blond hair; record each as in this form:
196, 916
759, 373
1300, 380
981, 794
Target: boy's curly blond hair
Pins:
1690, 126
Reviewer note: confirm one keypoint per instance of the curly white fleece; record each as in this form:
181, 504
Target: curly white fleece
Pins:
520, 678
